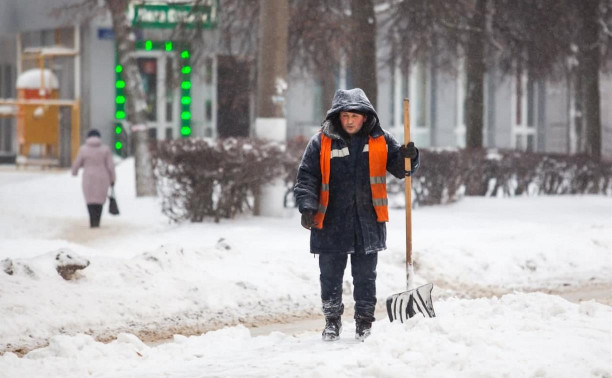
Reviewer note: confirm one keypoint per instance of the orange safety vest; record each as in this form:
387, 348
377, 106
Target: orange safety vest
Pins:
377, 151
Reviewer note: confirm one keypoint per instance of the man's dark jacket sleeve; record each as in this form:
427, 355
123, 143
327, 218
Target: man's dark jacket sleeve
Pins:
308, 184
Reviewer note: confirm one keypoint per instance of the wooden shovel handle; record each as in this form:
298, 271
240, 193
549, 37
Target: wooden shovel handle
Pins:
407, 167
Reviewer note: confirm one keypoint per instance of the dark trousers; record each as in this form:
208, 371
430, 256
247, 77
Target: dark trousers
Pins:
95, 213
363, 270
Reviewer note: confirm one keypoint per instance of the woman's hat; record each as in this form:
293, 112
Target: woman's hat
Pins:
93, 133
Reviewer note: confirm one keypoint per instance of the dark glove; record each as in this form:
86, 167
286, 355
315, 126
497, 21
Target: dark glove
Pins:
112, 184
409, 151
308, 219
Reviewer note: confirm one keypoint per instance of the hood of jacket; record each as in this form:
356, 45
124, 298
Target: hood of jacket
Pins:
350, 100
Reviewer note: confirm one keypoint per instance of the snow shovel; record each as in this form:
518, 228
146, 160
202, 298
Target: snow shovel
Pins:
405, 305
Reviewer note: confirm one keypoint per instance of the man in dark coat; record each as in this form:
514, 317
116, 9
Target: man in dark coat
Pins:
341, 202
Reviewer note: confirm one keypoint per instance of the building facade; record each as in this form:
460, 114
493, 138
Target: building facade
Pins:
520, 113
181, 99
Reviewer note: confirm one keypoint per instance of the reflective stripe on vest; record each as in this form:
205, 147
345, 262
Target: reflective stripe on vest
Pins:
378, 176
377, 148
325, 162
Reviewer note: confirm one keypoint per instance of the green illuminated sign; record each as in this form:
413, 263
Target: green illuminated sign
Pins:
168, 16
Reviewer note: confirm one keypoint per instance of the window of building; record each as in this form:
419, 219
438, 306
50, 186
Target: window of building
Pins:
421, 98
3, 83
317, 99
208, 73
399, 91
524, 111
208, 110
326, 82
461, 82
170, 97
420, 89
7, 89
148, 73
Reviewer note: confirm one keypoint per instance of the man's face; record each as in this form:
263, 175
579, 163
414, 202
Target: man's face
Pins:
351, 122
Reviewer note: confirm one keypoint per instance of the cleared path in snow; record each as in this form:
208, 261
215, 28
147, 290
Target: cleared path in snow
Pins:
601, 293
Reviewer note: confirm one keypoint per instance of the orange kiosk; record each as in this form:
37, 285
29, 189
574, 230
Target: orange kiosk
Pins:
38, 123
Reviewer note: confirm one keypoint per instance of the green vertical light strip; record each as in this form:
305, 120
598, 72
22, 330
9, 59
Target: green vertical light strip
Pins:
185, 93
119, 107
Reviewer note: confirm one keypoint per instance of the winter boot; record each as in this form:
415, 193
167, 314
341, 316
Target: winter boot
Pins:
333, 327
363, 329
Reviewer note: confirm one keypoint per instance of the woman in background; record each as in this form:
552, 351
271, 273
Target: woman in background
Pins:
98, 174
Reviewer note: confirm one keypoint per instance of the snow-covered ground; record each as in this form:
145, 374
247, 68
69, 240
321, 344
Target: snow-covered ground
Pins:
529, 335
152, 278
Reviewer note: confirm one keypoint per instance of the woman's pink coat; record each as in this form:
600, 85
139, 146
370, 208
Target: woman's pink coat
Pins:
98, 170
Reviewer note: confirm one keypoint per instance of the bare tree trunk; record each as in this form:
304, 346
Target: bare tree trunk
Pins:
362, 52
475, 72
271, 89
272, 61
589, 71
136, 112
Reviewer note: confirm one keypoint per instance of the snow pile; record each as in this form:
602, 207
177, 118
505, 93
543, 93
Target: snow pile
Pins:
31, 79
170, 288
505, 244
513, 336
64, 262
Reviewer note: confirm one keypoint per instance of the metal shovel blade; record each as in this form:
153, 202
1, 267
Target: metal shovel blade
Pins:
403, 306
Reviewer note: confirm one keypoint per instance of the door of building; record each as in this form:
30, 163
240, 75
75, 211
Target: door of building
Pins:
157, 71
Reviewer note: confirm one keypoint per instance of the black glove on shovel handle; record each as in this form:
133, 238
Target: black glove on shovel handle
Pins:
409, 151
308, 220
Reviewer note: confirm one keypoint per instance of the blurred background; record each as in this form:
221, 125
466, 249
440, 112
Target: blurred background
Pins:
528, 76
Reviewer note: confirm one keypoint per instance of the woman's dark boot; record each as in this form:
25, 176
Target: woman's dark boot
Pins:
333, 327
95, 212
